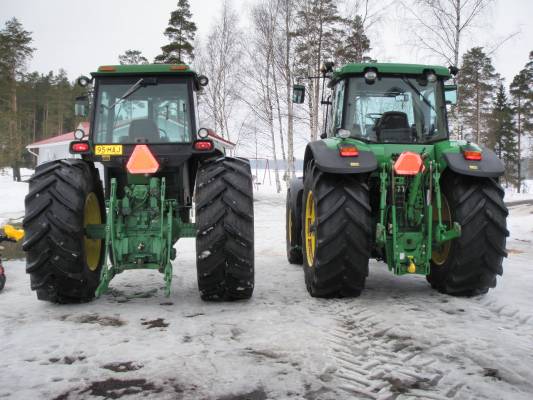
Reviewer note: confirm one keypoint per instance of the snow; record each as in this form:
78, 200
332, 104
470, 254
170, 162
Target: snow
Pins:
12, 195
399, 340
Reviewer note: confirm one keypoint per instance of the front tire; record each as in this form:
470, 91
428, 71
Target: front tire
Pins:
470, 264
64, 196
225, 230
293, 222
336, 233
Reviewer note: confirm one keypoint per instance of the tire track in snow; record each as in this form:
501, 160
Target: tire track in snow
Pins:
375, 361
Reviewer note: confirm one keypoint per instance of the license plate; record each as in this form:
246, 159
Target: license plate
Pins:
108, 150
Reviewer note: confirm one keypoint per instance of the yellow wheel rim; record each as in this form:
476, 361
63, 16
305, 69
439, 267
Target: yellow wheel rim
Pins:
441, 253
289, 224
310, 231
92, 215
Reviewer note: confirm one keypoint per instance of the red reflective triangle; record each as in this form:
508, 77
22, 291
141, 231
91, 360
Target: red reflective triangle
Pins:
142, 161
409, 163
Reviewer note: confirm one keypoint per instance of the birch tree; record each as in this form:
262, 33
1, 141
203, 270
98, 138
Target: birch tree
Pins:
220, 58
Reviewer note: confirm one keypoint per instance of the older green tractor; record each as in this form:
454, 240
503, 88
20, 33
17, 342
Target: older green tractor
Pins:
385, 181
144, 137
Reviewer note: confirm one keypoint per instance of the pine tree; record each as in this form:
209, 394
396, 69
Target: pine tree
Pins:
15, 50
181, 31
355, 43
316, 37
477, 86
522, 101
132, 57
504, 136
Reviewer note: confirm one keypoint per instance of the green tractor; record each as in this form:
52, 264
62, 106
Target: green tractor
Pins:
156, 166
386, 182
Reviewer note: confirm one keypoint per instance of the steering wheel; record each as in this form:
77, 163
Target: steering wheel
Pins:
165, 135
374, 115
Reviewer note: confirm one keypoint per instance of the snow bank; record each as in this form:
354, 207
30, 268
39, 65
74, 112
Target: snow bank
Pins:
12, 195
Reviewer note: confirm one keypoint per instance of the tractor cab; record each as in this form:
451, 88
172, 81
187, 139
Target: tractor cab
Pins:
389, 103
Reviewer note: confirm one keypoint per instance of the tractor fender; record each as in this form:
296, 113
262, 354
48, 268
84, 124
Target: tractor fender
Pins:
296, 188
327, 159
490, 166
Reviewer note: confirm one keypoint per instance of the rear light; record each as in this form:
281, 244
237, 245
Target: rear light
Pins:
142, 161
79, 147
408, 163
203, 145
472, 155
179, 67
348, 151
107, 68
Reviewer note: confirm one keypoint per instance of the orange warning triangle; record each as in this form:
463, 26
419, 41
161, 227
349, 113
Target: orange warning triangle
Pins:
142, 161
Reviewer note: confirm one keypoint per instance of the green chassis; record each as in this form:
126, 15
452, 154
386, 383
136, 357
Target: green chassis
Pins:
140, 230
407, 228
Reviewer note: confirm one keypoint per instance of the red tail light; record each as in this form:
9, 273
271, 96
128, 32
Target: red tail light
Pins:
79, 147
142, 161
472, 155
408, 163
203, 145
348, 151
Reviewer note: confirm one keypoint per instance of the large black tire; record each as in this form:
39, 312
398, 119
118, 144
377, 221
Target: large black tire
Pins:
225, 229
342, 227
64, 266
293, 222
470, 264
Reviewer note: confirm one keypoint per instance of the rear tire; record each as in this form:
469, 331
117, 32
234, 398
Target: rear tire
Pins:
293, 224
475, 258
225, 230
64, 265
339, 265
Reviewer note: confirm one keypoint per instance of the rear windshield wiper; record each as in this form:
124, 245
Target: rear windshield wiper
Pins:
143, 82
418, 93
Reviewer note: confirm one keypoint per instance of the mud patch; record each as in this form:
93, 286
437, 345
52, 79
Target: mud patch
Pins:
155, 323
68, 360
492, 373
258, 394
94, 319
194, 315
116, 388
320, 394
122, 366
263, 353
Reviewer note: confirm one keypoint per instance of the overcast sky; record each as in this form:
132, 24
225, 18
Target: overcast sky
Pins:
80, 35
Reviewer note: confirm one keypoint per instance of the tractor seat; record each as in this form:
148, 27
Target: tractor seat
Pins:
144, 129
393, 127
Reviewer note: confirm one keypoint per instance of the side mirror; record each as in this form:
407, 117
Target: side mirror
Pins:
450, 94
81, 107
298, 94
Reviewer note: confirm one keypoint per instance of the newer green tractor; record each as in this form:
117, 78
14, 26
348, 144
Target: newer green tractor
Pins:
386, 182
82, 228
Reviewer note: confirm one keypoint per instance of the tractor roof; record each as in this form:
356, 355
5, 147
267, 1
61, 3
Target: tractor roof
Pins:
156, 69
389, 68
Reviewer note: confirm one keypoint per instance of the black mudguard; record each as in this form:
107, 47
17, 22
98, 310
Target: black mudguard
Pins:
329, 160
490, 166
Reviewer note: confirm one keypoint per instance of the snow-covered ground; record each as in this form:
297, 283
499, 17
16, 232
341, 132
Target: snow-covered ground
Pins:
399, 340
12, 195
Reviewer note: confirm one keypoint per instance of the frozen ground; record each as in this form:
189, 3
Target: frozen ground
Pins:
399, 340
